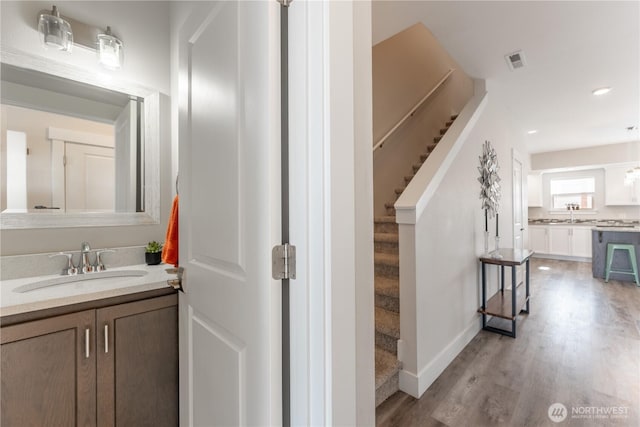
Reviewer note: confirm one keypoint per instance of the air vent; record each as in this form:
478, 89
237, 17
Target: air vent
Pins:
515, 60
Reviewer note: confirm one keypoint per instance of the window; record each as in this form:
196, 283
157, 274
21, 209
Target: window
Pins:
577, 191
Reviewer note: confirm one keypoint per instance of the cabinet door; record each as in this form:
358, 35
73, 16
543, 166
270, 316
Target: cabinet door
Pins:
617, 192
581, 242
534, 191
538, 239
560, 240
138, 363
48, 372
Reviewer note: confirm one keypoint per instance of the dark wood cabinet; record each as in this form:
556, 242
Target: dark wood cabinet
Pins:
113, 366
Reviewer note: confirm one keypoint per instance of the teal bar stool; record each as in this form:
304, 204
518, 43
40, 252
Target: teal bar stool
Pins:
631, 251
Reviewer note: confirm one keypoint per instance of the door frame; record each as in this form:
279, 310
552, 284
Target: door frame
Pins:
331, 208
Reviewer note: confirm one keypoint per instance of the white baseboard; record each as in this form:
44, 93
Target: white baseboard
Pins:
416, 385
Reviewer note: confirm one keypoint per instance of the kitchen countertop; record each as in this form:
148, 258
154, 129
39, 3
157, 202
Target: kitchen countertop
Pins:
600, 224
14, 303
635, 229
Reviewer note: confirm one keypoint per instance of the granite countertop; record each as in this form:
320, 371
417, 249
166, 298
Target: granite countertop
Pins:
12, 302
635, 229
600, 223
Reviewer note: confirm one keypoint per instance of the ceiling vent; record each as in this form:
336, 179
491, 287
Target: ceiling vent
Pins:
515, 60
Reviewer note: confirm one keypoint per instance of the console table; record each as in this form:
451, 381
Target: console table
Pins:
506, 303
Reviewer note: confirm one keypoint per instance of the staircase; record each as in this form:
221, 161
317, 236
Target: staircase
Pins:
387, 287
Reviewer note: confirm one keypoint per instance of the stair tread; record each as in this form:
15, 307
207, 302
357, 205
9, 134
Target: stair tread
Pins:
387, 286
387, 219
399, 190
387, 322
386, 259
387, 365
385, 237
389, 204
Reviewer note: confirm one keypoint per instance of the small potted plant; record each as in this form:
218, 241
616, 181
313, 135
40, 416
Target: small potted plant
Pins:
153, 253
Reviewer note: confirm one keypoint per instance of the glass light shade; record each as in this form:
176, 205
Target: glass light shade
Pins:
110, 50
54, 31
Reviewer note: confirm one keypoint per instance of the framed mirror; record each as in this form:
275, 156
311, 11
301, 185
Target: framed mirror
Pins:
77, 149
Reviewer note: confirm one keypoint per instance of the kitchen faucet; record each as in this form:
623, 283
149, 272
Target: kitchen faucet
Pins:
85, 265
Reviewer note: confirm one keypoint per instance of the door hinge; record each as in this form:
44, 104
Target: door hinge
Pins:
283, 262
64, 160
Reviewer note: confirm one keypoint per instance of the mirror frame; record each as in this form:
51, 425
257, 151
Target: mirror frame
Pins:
152, 122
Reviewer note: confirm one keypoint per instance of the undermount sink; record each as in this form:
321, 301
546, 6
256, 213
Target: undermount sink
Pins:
63, 280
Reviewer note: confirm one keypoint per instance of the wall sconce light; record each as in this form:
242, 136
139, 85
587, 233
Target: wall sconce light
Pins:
62, 32
54, 31
110, 52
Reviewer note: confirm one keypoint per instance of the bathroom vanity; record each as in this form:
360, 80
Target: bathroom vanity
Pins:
105, 355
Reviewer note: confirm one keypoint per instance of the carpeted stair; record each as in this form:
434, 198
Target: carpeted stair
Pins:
387, 288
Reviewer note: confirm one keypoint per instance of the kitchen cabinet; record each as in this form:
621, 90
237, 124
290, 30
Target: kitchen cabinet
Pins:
116, 365
617, 193
538, 239
534, 190
581, 242
570, 240
560, 240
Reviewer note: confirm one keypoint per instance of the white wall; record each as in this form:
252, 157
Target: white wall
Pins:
142, 27
449, 237
587, 157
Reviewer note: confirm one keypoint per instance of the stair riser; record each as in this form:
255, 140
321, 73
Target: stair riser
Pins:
387, 342
388, 303
387, 270
386, 247
386, 227
387, 389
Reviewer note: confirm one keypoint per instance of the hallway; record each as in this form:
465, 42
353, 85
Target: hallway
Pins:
580, 346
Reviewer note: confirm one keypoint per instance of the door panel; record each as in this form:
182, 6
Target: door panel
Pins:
48, 372
138, 363
89, 178
230, 214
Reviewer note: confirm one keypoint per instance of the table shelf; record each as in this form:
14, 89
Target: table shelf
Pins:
499, 305
505, 304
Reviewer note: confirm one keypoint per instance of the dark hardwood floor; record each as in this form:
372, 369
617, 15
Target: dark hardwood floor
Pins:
580, 346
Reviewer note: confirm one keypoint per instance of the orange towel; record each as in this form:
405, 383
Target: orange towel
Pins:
170, 249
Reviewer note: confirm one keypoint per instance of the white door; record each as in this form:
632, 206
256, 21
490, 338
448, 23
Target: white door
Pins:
89, 178
229, 150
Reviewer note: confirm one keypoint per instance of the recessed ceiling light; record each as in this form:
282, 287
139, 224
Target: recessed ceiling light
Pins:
601, 91
532, 131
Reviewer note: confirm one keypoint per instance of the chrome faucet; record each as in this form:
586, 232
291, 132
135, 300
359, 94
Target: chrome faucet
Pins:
85, 265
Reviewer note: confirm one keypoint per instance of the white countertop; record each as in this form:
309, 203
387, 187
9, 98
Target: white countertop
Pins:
12, 303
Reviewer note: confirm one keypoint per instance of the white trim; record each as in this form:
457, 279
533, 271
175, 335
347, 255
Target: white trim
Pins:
88, 138
415, 385
413, 201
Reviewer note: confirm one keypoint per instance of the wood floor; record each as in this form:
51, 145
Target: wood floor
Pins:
580, 346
